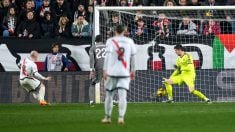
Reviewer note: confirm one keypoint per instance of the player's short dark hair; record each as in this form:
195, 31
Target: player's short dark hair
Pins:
179, 47
55, 44
120, 28
98, 38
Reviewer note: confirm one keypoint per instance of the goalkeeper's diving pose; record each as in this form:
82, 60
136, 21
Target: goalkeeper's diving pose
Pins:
184, 73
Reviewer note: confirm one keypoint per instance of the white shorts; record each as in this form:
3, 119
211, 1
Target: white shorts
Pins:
113, 83
30, 84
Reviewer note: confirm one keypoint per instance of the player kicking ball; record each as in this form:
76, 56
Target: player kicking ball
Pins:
119, 68
184, 73
29, 78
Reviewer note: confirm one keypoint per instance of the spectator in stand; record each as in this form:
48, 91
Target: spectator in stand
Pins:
155, 2
28, 7
29, 28
212, 28
61, 8
194, 3
183, 2
138, 14
75, 3
139, 31
9, 22
80, 11
112, 25
63, 28
56, 61
162, 26
230, 16
210, 3
33, 5
90, 16
169, 3
44, 8
187, 27
174, 22
80, 27
48, 26
214, 13
4, 5
123, 3
104, 14
38, 4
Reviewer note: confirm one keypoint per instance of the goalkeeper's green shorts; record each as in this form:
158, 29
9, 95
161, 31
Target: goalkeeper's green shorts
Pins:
188, 79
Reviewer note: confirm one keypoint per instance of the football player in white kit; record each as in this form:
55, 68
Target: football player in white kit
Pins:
119, 69
29, 78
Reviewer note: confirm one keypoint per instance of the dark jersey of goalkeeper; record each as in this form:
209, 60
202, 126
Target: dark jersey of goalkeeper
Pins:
97, 54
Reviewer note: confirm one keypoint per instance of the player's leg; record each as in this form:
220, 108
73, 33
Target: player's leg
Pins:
41, 92
110, 85
92, 91
190, 82
108, 106
122, 104
123, 86
168, 84
35, 94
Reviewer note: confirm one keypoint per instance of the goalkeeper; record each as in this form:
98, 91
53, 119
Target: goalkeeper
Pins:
184, 73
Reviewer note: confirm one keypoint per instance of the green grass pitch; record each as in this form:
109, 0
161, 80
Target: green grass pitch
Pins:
143, 117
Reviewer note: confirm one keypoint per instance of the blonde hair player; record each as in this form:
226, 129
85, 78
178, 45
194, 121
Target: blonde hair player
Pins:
119, 68
184, 73
29, 78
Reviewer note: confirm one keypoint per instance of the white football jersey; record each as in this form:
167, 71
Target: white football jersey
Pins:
120, 50
28, 68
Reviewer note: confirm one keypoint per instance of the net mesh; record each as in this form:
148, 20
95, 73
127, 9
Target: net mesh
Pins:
205, 34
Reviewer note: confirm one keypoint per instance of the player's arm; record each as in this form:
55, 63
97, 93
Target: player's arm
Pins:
106, 61
177, 69
92, 61
38, 75
65, 63
92, 58
132, 60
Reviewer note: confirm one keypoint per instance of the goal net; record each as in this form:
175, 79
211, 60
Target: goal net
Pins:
205, 32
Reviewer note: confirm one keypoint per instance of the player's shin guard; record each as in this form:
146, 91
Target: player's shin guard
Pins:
122, 105
108, 104
199, 94
169, 91
41, 93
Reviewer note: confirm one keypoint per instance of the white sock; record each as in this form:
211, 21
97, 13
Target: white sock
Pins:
108, 104
122, 103
35, 95
41, 92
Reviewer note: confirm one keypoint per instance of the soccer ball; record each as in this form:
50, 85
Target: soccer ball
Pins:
161, 92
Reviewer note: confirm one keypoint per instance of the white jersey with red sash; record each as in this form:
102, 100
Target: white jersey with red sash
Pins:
28, 68
27, 73
121, 49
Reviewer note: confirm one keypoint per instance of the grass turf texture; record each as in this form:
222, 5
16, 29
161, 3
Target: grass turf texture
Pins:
149, 117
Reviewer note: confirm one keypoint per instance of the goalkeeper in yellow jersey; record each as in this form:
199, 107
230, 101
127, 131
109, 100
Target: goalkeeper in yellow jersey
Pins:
184, 73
